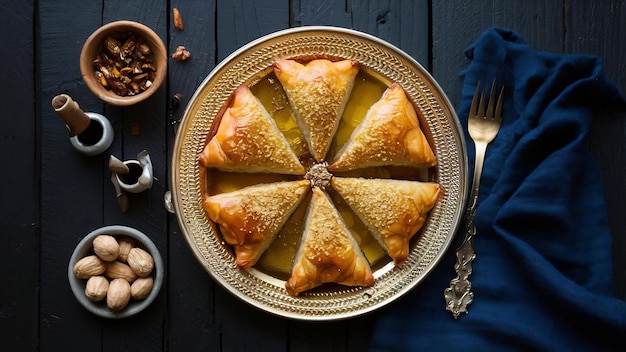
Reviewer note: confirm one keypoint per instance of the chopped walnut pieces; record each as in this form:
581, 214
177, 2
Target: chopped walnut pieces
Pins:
319, 176
181, 53
125, 65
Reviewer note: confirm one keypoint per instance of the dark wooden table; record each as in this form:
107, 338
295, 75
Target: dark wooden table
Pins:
51, 196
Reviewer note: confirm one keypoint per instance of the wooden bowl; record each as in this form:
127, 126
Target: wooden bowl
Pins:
85, 248
94, 45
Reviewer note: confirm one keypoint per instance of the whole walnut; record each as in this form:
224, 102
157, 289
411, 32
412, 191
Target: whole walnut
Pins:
141, 288
126, 243
119, 270
96, 288
140, 261
118, 294
106, 247
89, 266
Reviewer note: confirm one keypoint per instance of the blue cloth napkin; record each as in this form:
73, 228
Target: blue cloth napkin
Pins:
543, 275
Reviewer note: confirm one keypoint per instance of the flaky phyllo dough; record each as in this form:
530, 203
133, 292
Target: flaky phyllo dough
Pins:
318, 92
327, 252
245, 138
392, 210
248, 140
389, 134
251, 217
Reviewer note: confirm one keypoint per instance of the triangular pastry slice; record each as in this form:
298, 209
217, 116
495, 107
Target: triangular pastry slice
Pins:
318, 93
327, 251
393, 210
248, 140
250, 218
388, 135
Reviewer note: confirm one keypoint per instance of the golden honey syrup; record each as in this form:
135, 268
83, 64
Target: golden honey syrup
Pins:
278, 258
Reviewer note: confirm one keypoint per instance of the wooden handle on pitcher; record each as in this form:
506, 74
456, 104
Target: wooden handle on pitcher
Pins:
75, 119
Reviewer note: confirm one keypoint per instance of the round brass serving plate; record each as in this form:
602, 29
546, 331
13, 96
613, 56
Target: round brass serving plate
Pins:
439, 124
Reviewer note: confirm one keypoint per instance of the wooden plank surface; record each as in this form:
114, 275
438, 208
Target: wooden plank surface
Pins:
56, 196
456, 24
146, 212
19, 195
77, 195
605, 39
71, 184
191, 322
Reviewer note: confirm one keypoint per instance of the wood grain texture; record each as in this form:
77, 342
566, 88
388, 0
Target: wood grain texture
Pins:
245, 328
53, 196
608, 128
191, 321
77, 195
321, 13
456, 24
147, 213
71, 184
241, 21
404, 24
19, 195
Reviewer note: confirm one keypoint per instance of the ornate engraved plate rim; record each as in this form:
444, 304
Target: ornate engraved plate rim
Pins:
248, 64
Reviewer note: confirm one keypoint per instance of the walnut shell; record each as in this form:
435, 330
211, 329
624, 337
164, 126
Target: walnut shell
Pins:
118, 294
89, 266
96, 288
126, 243
106, 247
141, 288
119, 270
140, 261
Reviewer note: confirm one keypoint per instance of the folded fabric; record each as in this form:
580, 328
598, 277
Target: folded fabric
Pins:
543, 276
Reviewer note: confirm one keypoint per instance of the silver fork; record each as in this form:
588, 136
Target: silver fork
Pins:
483, 127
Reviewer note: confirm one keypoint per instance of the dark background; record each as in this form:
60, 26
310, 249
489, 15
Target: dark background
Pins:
50, 196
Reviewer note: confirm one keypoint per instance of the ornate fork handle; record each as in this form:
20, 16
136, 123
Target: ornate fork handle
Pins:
459, 295
483, 126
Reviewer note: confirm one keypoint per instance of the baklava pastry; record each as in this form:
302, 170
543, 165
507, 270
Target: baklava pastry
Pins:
389, 135
317, 92
248, 140
392, 210
250, 218
327, 252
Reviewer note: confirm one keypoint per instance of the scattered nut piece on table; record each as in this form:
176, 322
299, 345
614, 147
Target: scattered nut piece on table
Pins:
134, 128
181, 53
178, 19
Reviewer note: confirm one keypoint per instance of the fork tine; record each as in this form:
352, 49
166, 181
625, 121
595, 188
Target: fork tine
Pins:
499, 104
492, 96
481, 106
475, 100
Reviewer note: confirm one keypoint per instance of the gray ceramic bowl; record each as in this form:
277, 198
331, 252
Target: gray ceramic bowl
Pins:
85, 248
